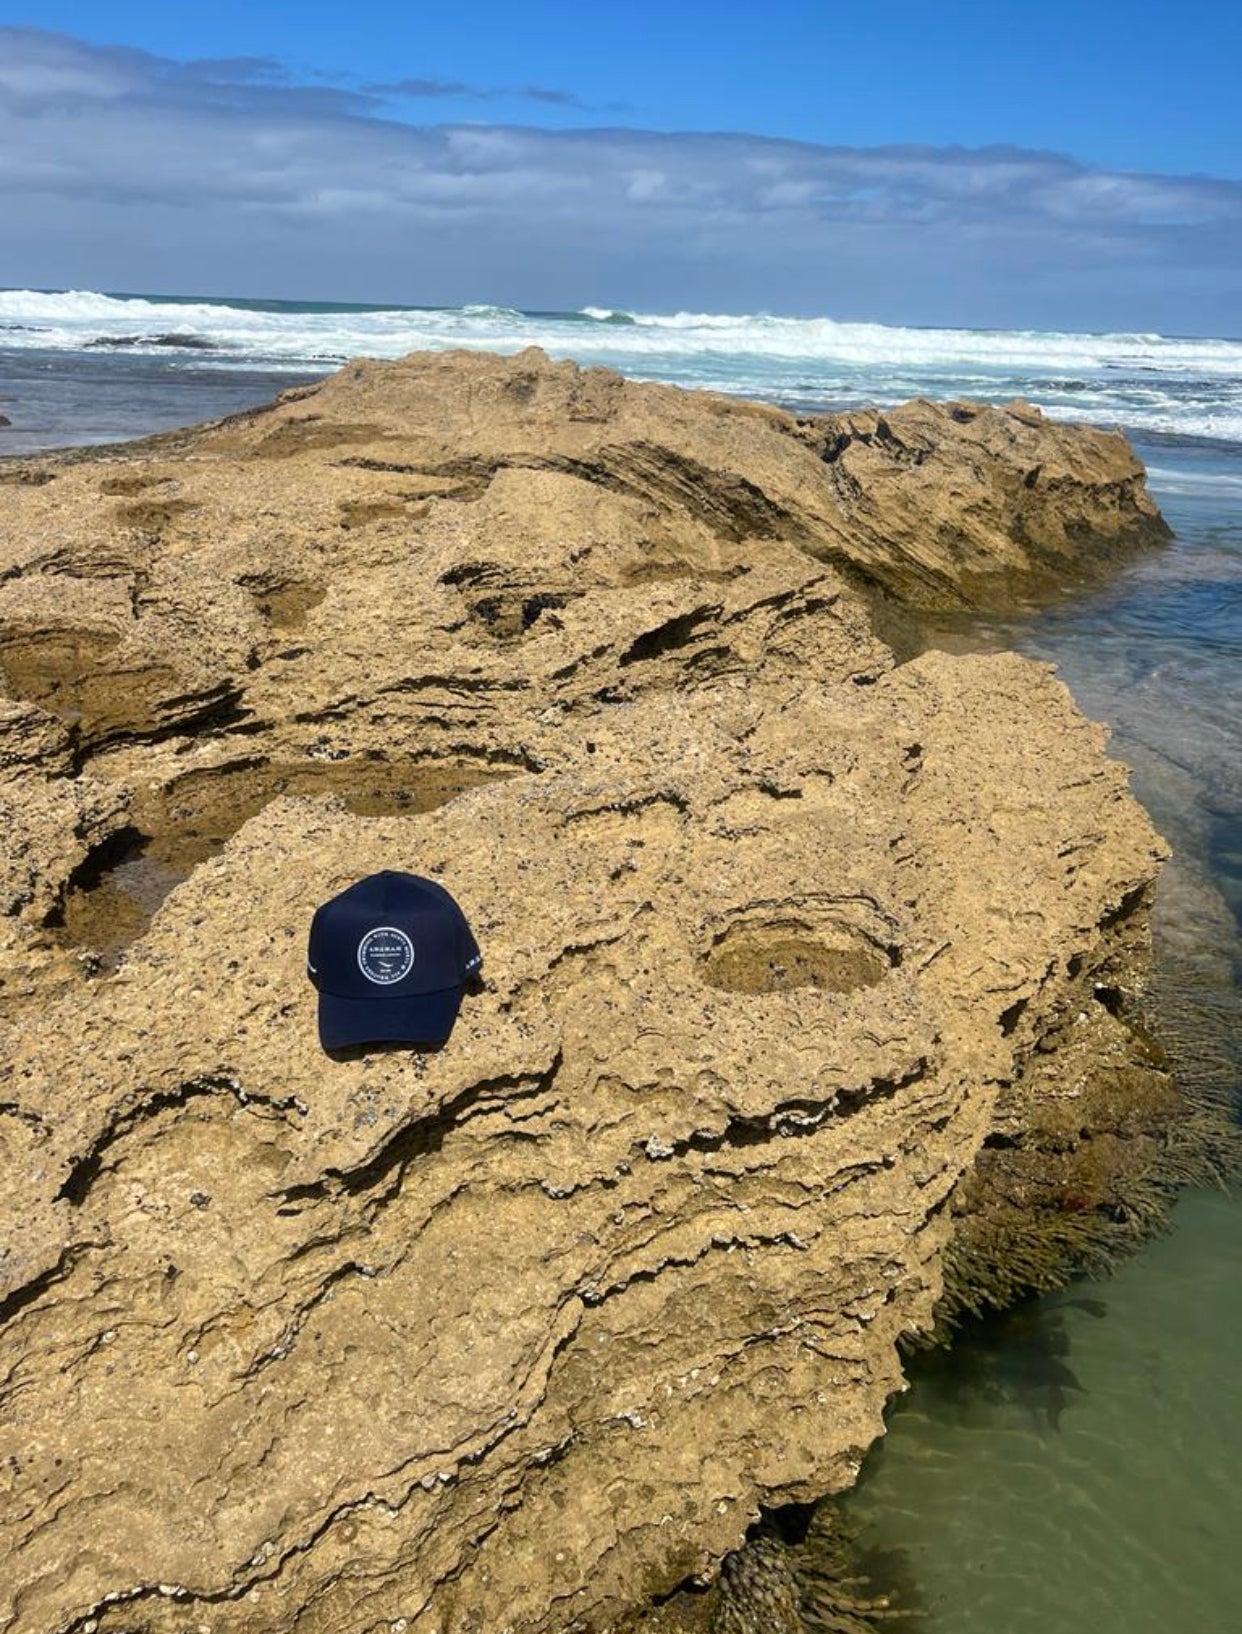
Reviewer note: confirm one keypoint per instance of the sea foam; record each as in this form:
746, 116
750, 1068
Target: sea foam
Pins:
1153, 382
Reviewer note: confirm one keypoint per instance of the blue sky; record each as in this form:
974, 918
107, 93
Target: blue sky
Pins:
1114, 82
1053, 166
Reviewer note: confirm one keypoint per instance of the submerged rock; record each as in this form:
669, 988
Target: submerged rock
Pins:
175, 340
522, 1333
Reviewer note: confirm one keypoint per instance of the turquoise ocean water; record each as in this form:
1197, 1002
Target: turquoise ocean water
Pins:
1075, 1468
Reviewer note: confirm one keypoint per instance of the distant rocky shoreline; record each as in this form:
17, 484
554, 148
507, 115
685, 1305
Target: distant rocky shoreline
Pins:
812, 1016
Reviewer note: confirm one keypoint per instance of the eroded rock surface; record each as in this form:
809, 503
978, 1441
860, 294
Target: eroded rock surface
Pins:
521, 1333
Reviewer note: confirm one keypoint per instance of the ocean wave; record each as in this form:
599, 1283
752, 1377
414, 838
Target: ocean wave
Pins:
284, 324
1171, 477
606, 314
1183, 386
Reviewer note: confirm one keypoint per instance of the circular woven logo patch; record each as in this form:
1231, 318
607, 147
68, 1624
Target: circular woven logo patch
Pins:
385, 955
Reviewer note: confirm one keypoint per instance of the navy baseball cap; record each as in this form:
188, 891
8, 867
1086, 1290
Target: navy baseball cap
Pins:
389, 957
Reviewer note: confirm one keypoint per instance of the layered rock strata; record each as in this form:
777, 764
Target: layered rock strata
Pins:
521, 1333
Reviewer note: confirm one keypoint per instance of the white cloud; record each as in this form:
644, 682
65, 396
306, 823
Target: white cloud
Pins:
123, 169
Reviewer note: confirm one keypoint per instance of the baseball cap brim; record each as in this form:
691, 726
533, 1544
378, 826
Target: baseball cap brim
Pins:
415, 1018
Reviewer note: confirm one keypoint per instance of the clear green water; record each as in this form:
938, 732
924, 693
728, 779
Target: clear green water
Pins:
1076, 1467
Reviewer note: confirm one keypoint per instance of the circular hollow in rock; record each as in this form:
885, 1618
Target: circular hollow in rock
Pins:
288, 605
776, 955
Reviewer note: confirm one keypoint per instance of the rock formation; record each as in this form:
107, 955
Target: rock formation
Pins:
520, 1334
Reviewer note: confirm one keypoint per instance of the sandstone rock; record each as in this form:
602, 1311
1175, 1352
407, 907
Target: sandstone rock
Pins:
521, 1333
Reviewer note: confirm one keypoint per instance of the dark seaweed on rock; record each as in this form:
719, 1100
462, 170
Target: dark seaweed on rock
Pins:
800, 1573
